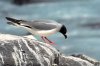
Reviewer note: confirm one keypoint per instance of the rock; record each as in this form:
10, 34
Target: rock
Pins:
87, 58
73, 61
28, 51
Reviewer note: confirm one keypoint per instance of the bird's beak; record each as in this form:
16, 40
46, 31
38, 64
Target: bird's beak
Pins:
65, 36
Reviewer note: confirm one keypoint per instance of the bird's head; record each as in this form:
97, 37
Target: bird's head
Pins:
63, 30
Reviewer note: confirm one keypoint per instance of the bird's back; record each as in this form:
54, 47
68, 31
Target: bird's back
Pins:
43, 24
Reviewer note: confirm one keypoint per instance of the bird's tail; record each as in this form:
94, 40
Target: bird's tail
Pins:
12, 19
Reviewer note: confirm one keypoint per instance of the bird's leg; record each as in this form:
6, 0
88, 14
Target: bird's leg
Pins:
43, 38
46, 40
49, 40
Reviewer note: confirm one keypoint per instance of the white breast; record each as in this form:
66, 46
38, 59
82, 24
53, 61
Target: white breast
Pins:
47, 32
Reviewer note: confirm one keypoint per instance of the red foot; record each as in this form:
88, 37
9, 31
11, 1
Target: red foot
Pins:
46, 40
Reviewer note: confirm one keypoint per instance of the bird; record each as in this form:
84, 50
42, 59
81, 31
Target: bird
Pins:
41, 27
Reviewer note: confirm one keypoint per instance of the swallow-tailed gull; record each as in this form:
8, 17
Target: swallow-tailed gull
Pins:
42, 27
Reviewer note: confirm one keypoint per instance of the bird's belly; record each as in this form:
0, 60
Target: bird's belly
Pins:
31, 31
47, 32
43, 32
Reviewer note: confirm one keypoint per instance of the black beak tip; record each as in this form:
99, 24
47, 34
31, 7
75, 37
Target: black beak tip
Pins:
65, 36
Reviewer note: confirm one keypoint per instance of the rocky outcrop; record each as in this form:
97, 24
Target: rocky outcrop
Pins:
27, 51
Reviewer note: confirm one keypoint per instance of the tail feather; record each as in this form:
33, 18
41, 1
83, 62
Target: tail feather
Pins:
12, 19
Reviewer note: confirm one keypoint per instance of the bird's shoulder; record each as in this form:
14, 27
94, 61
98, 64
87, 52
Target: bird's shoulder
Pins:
44, 24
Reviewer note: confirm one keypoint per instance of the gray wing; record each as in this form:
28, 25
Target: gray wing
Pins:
43, 24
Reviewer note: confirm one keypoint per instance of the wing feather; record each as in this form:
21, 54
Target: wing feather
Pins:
42, 25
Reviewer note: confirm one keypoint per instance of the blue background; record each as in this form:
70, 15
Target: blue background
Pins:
81, 17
